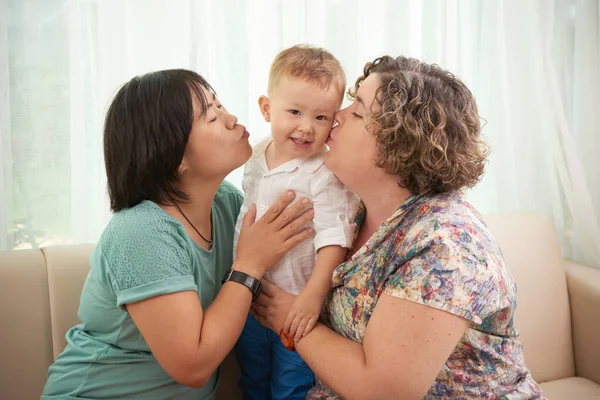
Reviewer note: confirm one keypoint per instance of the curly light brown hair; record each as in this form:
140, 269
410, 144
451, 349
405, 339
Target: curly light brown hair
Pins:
428, 127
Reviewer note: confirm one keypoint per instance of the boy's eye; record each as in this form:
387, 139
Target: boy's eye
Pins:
295, 112
321, 118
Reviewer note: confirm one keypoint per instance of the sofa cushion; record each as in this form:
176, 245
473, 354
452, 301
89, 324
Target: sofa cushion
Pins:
571, 388
68, 267
584, 294
533, 255
25, 344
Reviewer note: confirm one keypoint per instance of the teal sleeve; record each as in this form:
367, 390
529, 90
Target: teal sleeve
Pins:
147, 261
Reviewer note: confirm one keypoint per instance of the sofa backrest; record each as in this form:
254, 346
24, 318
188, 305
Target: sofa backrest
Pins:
543, 315
25, 329
67, 267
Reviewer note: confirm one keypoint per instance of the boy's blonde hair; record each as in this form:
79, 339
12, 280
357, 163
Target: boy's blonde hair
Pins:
308, 63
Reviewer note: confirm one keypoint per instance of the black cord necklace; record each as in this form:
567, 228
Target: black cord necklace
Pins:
210, 242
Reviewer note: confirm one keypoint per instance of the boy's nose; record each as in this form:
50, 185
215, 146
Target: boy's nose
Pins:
305, 127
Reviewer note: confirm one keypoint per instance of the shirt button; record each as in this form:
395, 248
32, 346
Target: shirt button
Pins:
262, 207
343, 217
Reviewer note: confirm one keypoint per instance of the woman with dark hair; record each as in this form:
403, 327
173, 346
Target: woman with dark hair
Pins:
423, 305
156, 319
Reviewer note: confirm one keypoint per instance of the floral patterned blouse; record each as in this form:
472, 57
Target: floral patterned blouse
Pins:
436, 251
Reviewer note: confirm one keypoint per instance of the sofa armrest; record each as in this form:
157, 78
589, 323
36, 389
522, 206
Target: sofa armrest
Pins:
584, 295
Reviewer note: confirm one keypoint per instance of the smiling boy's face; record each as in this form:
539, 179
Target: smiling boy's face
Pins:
301, 116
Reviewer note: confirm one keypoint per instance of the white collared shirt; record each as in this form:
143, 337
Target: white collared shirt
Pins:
335, 207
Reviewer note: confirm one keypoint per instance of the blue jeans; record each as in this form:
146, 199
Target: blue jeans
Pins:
269, 370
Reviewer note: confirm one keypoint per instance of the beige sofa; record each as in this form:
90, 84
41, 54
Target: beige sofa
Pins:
558, 314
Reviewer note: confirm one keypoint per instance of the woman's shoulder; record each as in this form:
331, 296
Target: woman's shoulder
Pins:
447, 215
141, 225
229, 199
229, 192
139, 218
143, 244
446, 230
448, 254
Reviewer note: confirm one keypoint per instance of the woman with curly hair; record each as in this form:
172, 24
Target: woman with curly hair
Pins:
423, 305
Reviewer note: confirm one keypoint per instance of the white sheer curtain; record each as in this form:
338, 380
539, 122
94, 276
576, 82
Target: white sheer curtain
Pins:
532, 65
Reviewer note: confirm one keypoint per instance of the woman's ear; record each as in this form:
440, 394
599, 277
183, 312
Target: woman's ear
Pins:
182, 167
265, 108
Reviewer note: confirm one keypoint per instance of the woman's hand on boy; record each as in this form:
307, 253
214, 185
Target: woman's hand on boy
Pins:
264, 242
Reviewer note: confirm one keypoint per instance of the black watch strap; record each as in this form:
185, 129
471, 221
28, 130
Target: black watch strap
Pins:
249, 281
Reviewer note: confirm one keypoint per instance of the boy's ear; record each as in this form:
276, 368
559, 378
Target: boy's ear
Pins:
265, 108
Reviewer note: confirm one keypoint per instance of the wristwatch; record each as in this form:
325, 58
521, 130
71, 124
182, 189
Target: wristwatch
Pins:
249, 281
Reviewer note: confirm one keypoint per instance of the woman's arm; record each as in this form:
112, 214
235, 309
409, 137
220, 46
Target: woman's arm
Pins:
404, 347
190, 344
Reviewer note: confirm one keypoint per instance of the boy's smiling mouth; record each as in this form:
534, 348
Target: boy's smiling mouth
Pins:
300, 142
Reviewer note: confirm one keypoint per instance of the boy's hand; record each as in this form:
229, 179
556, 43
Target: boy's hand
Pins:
304, 315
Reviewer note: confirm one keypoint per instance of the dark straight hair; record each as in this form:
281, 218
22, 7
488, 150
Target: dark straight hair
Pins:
146, 132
